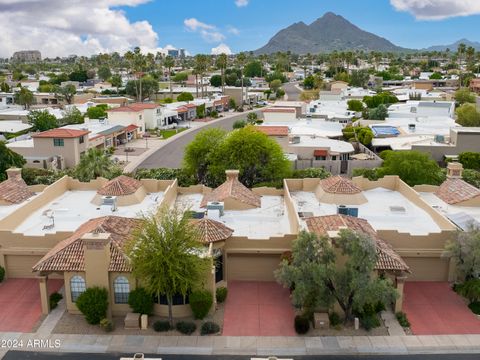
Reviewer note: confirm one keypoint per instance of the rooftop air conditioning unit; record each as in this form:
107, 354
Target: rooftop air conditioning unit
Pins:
346, 210
411, 127
295, 140
439, 139
110, 201
216, 205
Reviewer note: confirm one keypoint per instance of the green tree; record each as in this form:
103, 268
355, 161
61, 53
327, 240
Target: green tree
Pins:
472, 177
252, 118
116, 80
436, 76
185, 96
465, 250
253, 69
359, 78
4, 87
149, 87
413, 167
216, 80
72, 115
355, 105
470, 160
169, 63
66, 92
378, 113
467, 115
365, 136
384, 98
24, 97
42, 120
79, 75
9, 159
222, 62
309, 82
275, 85
318, 281
464, 95
164, 253
97, 112
314, 173
95, 163
104, 72
180, 77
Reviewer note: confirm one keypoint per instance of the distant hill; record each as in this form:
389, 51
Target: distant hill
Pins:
328, 33
453, 47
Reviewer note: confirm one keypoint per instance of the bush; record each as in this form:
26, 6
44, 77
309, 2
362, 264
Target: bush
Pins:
161, 326
93, 303
238, 124
302, 324
214, 114
186, 327
2, 273
369, 321
475, 307
209, 327
221, 294
470, 289
320, 173
201, 302
402, 319
54, 299
334, 318
106, 324
140, 301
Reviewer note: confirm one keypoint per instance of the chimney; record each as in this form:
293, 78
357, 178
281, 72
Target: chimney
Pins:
454, 170
14, 173
232, 174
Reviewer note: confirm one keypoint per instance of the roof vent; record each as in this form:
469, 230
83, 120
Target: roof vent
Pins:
305, 214
398, 209
216, 205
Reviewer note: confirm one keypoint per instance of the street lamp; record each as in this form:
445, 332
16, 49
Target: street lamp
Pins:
145, 136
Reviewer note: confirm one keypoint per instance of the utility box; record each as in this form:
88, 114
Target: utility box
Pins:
321, 321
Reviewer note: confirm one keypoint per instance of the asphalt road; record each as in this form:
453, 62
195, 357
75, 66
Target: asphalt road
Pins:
18, 355
293, 94
171, 155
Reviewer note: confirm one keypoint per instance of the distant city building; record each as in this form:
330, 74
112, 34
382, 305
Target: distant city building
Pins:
182, 53
173, 53
27, 56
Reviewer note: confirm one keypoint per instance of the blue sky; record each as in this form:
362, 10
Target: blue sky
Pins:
261, 19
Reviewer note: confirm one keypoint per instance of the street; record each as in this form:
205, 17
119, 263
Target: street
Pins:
293, 94
171, 155
18, 355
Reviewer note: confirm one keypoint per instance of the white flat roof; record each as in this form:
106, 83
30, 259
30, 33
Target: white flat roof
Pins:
441, 206
6, 210
322, 142
73, 208
432, 125
21, 144
317, 127
414, 220
94, 127
13, 126
260, 223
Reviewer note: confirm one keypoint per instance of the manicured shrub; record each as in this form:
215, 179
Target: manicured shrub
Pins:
93, 303
201, 301
140, 301
186, 327
221, 294
334, 318
475, 307
209, 327
369, 321
2, 274
470, 289
106, 324
54, 299
161, 326
302, 324
402, 319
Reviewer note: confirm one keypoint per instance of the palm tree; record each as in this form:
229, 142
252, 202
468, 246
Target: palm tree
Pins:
169, 63
95, 163
200, 67
241, 58
222, 61
460, 51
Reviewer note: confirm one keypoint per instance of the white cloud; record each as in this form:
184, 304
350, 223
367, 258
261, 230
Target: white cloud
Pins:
437, 9
208, 32
241, 3
233, 30
221, 49
82, 27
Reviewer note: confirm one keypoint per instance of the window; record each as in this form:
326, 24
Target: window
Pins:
121, 289
81, 140
77, 287
58, 142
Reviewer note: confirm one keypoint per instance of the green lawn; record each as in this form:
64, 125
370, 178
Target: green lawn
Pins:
170, 132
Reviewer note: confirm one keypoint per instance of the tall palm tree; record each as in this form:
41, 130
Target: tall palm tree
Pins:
222, 60
169, 63
95, 163
241, 58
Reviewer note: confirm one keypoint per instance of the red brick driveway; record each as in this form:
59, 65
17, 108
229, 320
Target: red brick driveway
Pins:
433, 308
257, 309
20, 306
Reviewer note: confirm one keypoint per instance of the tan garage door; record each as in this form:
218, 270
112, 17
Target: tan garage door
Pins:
427, 269
20, 266
258, 267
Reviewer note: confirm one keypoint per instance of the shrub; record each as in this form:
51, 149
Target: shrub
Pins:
475, 307
106, 324
186, 327
2, 273
214, 114
402, 319
140, 301
302, 324
320, 173
334, 319
54, 299
238, 124
161, 325
209, 327
470, 289
93, 303
221, 294
201, 301
369, 321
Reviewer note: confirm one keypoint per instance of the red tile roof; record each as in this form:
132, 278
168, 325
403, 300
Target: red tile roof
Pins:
14, 190
339, 185
211, 231
68, 255
274, 130
61, 133
455, 190
320, 152
182, 109
279, 110
120, 186
135, 107
388, 259
131, 127
191, 106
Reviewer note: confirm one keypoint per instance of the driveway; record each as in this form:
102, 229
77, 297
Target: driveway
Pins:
20, 306
258, 309
433, 308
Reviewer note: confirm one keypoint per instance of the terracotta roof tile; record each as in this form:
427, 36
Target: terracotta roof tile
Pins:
211, 231
232, 188
68, 255
339, 185
61, 133
120, 186
388, 259
454, 191
273, 130
14, 190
